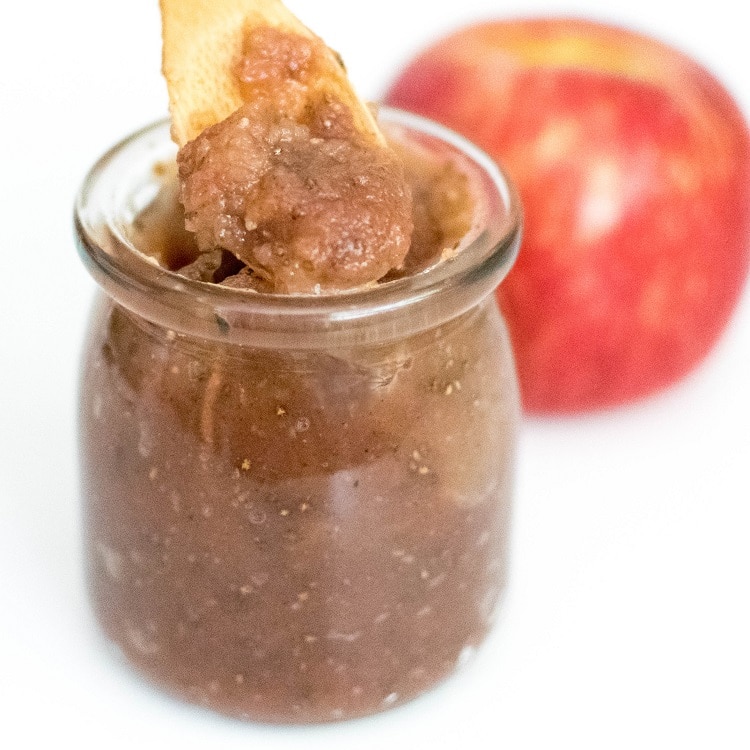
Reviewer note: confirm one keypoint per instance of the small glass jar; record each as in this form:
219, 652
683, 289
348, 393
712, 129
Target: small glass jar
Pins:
296, 509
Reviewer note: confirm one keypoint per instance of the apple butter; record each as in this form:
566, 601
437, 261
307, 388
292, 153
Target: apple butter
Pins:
296, 507
288, 184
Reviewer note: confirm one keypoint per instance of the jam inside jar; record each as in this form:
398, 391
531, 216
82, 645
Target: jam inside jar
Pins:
296, 509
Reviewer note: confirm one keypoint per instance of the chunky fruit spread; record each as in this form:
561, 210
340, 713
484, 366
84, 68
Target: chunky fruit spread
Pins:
443, 214
288, 185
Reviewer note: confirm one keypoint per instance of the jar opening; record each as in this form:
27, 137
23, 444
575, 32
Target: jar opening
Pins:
123, 182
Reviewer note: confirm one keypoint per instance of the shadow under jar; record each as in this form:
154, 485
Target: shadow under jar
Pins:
296, 509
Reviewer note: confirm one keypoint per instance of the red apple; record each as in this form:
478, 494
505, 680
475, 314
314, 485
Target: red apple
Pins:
633, 165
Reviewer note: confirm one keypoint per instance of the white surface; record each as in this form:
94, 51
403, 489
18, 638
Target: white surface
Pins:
628, 622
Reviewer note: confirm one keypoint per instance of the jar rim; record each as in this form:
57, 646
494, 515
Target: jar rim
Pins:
138, 283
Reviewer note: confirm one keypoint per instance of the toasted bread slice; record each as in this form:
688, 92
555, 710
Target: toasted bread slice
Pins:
202, 44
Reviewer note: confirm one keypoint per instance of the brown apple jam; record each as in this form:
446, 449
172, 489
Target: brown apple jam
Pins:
296, 508
288, 184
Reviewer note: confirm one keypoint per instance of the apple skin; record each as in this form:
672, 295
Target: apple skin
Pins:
633, 166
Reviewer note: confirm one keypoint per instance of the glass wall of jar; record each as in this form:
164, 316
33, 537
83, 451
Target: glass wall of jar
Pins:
296, 508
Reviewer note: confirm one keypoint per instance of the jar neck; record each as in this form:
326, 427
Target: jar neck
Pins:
124, 180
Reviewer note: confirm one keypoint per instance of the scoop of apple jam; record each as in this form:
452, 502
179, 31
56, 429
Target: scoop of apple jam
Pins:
295, 192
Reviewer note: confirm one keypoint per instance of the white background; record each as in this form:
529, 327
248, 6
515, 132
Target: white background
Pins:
628, 620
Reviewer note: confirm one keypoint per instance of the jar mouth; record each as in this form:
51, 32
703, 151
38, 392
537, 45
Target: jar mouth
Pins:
123, 182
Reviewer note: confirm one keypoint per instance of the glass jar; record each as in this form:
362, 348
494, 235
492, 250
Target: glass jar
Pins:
296, 509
